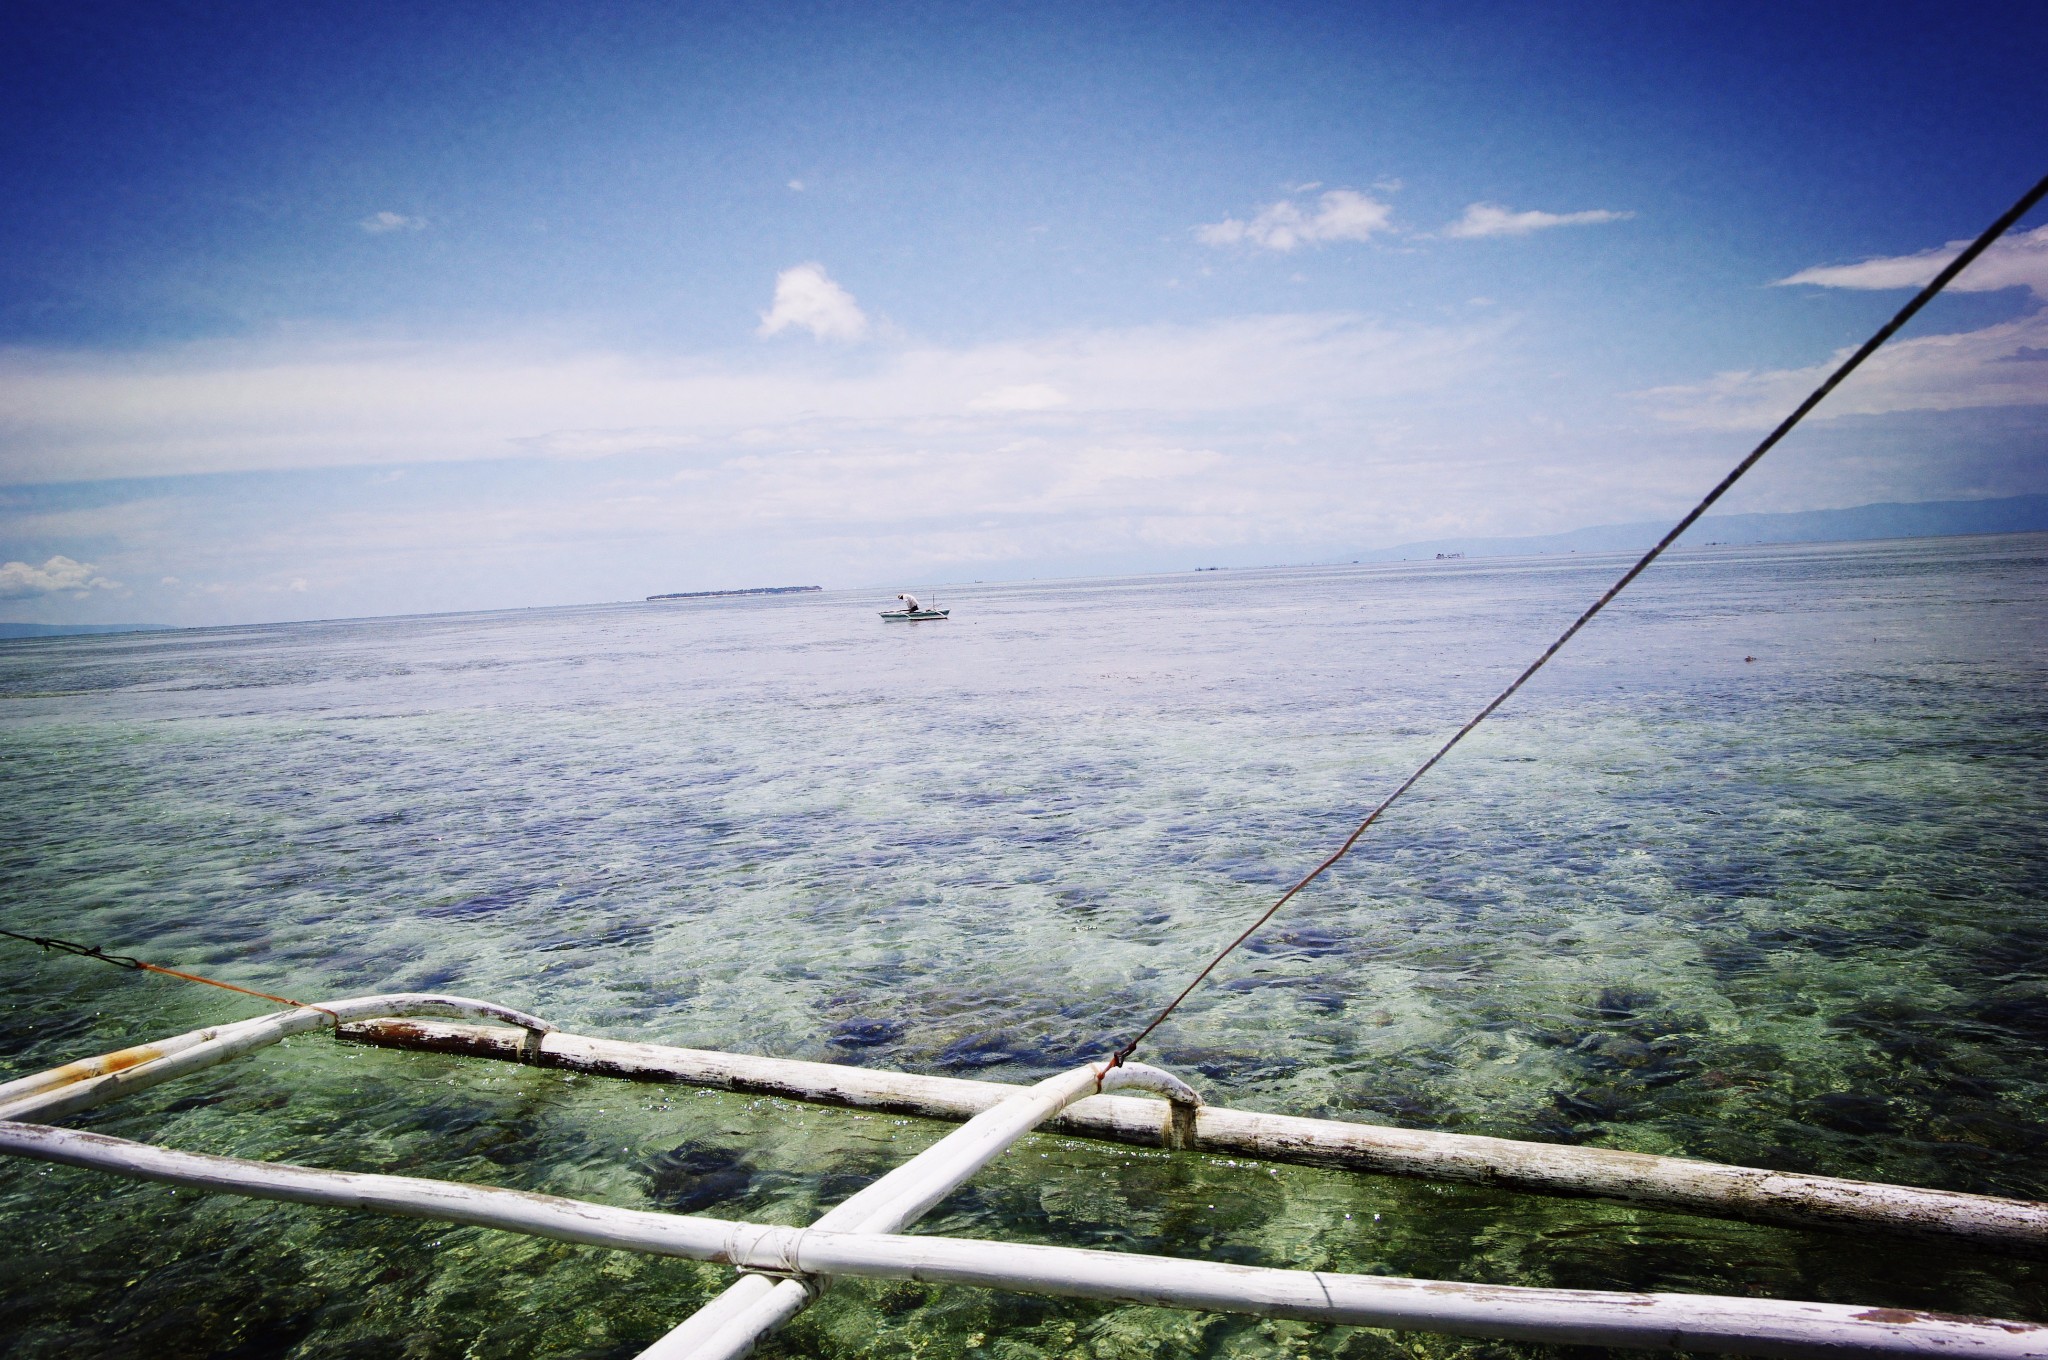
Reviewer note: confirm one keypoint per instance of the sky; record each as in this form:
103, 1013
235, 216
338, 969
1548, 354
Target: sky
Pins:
320, 310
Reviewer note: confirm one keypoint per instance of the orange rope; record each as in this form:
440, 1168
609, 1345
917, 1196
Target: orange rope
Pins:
93, 951
231, 987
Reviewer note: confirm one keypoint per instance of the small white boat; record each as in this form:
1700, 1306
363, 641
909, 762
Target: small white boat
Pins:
913, 610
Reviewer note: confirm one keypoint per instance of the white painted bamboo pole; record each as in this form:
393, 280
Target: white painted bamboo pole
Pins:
1767, 1327
1638, 1178
228, 1041
903, 1195
81, 1085
751, 1306
899, 1199
567, 1220
117, 1061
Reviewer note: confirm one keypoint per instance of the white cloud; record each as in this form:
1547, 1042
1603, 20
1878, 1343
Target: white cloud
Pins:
59, 575
378, 224
2016, 262
1491, 219
807, 298
796, 186
1019, 397
1339, 215
236, 406
1110, 475
1993, 366
578, 444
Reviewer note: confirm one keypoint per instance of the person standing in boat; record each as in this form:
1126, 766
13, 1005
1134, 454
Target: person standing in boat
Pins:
910, 602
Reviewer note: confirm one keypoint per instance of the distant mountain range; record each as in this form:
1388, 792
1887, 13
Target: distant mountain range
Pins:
1925, 519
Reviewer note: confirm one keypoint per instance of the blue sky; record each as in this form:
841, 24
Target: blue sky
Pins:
320, 310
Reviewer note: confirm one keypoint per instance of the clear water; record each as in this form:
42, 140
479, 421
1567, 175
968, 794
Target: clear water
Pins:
1784, 911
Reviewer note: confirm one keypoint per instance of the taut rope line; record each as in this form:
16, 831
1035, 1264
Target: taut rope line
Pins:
1834, 380
93, 951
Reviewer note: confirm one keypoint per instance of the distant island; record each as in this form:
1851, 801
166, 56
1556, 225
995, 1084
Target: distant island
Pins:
726, 594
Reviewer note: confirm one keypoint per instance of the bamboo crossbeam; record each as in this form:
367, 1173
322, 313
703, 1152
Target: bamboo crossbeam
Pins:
1684, 1322
733, 1324
1678, 1183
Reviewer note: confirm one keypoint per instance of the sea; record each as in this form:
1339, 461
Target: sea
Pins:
1755, 872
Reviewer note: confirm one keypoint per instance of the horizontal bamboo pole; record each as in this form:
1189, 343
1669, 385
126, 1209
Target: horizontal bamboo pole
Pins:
89, 1082
1688, 1322
1637, 1178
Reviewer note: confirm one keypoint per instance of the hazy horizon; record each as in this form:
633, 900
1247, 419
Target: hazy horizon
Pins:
368, 311
1492, 550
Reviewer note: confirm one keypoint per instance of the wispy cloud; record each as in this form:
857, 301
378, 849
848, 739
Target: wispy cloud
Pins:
214, 407
59, 575
1347, 215
1491, 219
1339, 215
2016, 262
1981, 368
1019, 397
1988, 367
381, 223
806, 298
577, 444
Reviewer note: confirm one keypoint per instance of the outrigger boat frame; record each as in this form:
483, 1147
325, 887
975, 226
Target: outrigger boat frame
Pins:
783, 1269
913, 615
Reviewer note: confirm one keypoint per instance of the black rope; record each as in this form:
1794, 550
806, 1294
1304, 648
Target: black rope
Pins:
1834, 380
93, 951
84, 951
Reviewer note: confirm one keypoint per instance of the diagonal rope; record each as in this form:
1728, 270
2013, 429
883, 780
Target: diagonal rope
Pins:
93, 951
1834, 380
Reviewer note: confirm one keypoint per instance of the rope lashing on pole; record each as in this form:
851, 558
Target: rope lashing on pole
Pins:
1906, 313
93, 951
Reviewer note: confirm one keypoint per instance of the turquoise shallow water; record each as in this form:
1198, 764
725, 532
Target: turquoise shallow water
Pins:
1785, 911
